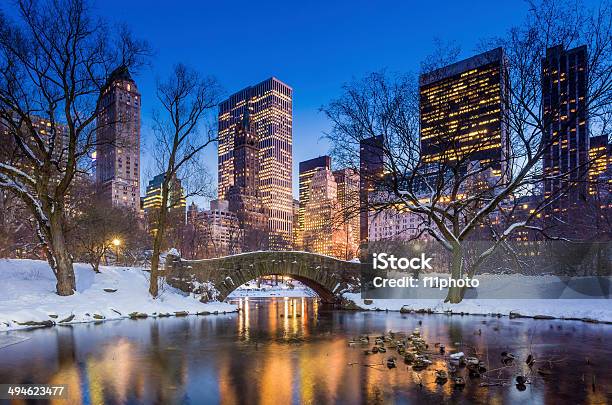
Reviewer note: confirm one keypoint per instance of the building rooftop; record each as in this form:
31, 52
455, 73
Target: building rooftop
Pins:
494, 55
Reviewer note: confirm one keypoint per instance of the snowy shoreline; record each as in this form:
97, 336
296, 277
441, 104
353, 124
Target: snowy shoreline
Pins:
585, 310
28, 299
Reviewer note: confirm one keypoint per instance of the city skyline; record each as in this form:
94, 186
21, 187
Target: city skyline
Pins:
463, 107
294, 62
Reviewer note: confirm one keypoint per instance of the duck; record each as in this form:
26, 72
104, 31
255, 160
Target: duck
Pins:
409, 357
458, 382
520, 380
419, 364
441, 376
473, 373
507, 358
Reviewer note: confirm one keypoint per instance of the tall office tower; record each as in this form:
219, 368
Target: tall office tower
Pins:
462, 113
244, 198
564, 103
152, 202
153, 197
600, 169
347, 181
307, 169
118, 141
371, 172
321, 231
270, 106
45, 128
296, 225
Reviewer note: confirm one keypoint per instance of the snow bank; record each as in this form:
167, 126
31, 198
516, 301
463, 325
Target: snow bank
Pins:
27, 294
585, 309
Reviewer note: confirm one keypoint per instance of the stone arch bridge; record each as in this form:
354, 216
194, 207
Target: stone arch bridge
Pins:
215, 279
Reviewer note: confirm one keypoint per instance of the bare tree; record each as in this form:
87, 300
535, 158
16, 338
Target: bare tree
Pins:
17, 235
185, 99
96, 226
460, 196
54, 60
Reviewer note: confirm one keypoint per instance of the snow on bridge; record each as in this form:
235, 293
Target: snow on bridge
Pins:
215, 279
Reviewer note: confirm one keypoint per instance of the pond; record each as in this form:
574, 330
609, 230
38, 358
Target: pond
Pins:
288, 350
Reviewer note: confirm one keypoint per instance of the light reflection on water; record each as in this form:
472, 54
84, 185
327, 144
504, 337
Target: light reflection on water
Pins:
284, 350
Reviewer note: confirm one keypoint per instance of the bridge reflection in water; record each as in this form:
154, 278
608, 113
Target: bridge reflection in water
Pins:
215, 279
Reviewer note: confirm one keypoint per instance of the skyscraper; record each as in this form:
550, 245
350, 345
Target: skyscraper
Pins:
600, 157
371, 172
462, 112
153, 196
323, 233
347, 181
152, 202
118, 141
564, 101
244, 197
307, 169
271, 115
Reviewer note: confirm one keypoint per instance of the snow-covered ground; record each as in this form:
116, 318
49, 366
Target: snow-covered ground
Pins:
521, 295
266, 290
27, 294
585, 309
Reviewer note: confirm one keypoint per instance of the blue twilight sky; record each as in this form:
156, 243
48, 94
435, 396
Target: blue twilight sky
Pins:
314, 46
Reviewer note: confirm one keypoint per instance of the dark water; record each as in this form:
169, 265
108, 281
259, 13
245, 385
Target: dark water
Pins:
261, 357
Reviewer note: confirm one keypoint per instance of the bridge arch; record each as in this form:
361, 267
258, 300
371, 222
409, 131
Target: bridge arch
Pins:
215, 279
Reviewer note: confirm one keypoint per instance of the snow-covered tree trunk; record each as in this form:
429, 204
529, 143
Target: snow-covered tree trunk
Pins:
455, 294
54, 62
61, 258
158, 239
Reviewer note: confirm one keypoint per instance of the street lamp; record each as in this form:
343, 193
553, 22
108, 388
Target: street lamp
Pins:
116, 243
